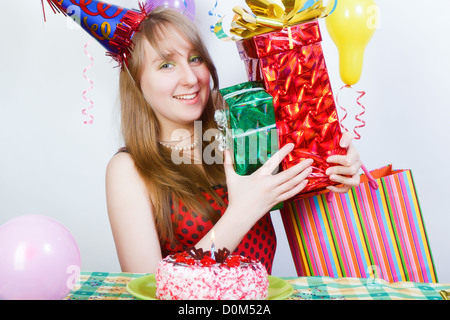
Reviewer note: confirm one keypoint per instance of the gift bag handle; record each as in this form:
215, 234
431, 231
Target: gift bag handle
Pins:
372, 182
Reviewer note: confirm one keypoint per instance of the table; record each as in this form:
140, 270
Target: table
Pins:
112, 286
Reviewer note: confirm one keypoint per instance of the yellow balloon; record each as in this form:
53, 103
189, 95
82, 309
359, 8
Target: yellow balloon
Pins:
351, 26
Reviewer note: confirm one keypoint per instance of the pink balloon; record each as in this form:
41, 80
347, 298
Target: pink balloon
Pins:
39, 259
186, 7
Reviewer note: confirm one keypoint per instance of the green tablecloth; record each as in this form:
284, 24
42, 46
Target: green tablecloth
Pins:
112, 286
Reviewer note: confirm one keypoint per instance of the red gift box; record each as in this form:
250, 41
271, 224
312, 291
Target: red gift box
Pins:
291, 65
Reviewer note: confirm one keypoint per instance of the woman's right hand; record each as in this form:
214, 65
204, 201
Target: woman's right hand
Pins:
257, 193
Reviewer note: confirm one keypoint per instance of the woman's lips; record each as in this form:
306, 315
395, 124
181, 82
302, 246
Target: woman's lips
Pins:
188, 98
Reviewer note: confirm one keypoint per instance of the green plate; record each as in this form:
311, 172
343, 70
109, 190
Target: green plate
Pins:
145, 288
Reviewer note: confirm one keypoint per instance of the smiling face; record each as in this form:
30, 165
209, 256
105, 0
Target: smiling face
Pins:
175, 81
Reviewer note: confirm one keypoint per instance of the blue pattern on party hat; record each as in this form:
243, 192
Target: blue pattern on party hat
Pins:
111, 25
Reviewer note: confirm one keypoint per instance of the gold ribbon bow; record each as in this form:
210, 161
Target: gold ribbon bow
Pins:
270, 15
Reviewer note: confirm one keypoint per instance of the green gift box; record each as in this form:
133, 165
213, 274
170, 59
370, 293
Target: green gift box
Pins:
248, 125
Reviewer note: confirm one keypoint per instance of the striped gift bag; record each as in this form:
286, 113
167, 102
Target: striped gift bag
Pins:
364, 233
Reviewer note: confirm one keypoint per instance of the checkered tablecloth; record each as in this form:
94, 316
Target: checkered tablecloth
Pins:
112, 286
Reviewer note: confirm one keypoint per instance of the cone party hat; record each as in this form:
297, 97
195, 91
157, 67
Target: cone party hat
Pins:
111, 25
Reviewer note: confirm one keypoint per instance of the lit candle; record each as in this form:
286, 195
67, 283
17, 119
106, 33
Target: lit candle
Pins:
213, 248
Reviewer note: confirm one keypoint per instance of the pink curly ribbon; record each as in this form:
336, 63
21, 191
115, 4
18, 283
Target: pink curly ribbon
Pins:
358, 116
84, 112
342, 108
372, 182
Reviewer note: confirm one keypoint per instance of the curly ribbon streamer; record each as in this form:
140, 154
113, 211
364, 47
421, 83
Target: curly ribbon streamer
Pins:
334, 7
212, 13
358, 116
342, 108
185, 6
84, 112
372, 182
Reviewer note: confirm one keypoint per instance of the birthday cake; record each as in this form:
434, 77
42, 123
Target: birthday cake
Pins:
195, 275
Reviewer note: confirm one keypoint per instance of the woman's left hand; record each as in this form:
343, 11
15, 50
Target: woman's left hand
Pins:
347, 169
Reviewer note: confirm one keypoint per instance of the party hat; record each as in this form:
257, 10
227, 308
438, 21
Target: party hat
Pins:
111, 25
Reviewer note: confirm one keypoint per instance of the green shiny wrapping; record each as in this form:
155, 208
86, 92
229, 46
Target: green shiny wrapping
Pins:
251, 121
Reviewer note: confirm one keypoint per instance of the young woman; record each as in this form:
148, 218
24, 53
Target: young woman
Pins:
158, 206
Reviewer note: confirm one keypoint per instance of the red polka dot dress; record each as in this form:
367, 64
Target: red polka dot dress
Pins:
259, 243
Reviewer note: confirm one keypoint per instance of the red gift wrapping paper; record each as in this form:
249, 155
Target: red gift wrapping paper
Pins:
292, 67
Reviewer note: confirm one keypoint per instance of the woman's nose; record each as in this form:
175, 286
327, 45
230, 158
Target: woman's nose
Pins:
188, 76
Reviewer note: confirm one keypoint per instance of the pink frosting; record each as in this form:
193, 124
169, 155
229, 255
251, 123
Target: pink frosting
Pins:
179, 281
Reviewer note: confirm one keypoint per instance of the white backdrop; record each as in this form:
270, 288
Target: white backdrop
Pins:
51, 163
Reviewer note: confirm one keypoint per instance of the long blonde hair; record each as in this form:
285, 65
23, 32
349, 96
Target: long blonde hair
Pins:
167, 182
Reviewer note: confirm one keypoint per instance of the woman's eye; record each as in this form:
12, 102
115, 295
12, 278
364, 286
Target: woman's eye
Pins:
195, 59
166, 65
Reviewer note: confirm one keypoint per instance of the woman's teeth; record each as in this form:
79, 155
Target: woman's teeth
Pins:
186, 97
